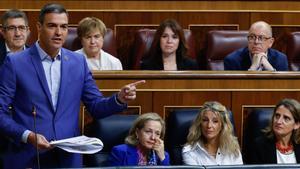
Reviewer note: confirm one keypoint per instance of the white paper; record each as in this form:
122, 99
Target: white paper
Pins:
80, 144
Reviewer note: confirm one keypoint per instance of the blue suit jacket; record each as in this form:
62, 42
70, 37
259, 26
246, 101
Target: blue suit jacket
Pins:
126, 155
240, 60
23, 84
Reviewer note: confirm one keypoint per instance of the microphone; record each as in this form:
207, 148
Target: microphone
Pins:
35, 133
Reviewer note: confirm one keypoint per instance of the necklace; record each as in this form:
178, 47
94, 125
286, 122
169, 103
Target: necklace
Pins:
284, 150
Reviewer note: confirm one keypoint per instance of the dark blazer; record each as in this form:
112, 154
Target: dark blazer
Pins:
126, 155
3, 51
23, 84
240, 60
185, 64
264, 151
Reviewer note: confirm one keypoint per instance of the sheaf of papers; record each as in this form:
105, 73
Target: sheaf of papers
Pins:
80, 144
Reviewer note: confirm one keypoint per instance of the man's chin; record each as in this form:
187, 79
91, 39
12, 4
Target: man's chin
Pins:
256, 52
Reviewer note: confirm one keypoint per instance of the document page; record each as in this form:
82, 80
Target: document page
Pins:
80, 144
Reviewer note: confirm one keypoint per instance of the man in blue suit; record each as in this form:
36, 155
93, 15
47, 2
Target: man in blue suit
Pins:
15, 31
258, 55
52, 80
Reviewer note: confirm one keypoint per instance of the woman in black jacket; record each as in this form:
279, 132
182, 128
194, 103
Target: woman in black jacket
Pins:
169, 49
280, 144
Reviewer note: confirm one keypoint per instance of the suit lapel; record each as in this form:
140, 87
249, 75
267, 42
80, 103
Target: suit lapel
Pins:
132, 155
3, 52
65, 66
246, 61
297, 152
272, 151
36, 60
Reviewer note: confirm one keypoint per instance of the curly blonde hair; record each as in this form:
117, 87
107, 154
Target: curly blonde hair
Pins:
228, 143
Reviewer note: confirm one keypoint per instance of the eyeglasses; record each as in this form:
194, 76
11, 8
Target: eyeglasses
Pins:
260, 38
21, 28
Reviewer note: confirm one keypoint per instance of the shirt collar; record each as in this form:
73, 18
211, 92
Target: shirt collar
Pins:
8, 49
44, 55
199, 146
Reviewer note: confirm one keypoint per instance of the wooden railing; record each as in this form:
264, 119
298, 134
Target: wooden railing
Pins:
237, 90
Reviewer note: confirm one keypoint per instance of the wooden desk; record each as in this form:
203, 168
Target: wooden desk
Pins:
237, 90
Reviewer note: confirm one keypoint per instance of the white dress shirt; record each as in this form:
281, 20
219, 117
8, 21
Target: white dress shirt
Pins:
106, 61
197, 155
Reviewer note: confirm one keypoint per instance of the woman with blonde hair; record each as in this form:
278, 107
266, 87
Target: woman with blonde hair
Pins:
144, 145
210, 140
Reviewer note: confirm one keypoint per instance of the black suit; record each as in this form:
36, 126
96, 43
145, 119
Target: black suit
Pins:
3, 52
185, 64
264, 151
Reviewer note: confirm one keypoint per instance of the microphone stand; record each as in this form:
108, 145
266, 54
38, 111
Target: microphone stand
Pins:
36, 141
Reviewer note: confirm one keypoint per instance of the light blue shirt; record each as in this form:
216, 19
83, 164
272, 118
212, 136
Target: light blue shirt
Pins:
52, 69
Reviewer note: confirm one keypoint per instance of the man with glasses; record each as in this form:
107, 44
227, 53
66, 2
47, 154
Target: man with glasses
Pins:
258, 55
45, 85
15, 32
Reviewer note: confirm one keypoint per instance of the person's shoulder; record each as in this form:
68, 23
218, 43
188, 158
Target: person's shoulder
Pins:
79, 51
189, 64
109, 56
23, 54
238, 52
187, 148
2, 46
276, 52
123, 147
190, 61
261, 140
149, 64
72, 54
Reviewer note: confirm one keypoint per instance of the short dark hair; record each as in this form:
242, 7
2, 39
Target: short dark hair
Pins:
12, 14
51, 8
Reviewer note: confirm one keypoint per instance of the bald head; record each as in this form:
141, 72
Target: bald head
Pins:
262, 26
260, 37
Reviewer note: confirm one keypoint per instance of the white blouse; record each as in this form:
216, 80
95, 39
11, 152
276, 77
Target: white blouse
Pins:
197, 155
286, 158
106, 61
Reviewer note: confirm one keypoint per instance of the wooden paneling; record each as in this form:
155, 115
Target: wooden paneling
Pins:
166, 90
241, 100
164, 100
200, 16
125, 34
199, 31
158, 5
280, 33
125, 23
